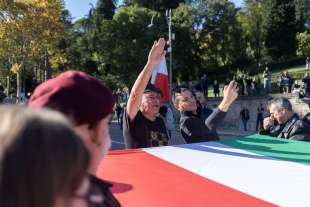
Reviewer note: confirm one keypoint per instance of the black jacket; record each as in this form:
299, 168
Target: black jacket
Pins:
194, 129
104, 187
294, 129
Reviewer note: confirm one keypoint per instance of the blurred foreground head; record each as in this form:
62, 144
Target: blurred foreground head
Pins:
42, 160
86, 102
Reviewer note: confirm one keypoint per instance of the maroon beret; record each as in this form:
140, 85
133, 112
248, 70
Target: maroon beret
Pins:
76, 94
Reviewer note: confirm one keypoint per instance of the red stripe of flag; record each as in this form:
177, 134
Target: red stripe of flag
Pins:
160, 80
143, 180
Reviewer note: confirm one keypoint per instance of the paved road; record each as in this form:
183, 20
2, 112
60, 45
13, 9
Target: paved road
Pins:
116, 135
118, 142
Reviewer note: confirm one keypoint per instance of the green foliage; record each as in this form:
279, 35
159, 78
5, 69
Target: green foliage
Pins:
221, 38
125, 42
303, 44
302, 9
157, 5
210, 36
280, 29
185, 65
105, 9
251, 19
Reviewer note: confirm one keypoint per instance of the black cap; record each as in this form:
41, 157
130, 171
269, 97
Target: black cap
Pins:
152, 88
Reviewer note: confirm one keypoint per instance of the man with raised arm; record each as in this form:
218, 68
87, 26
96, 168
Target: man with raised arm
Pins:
142, 127
193, 127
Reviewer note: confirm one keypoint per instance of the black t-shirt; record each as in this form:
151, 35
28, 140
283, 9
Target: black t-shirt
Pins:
141, 132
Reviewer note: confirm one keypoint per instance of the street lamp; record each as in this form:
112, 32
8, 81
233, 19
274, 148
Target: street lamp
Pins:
171, 36
169, 22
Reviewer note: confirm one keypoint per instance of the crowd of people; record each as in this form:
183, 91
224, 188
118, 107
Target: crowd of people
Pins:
62, 134
251, 85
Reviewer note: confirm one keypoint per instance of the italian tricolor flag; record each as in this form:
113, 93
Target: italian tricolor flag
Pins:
247, 172
160, 80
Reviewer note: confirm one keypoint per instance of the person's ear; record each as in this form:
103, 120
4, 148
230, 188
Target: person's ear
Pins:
94, 134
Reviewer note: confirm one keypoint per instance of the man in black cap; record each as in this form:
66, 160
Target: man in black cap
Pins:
142, 127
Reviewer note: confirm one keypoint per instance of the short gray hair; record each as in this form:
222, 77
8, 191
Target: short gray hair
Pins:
280, 103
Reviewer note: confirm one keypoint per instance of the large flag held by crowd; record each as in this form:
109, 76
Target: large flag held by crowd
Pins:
250, 171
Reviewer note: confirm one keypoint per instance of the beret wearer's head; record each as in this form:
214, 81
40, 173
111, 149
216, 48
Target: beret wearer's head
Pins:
76, 94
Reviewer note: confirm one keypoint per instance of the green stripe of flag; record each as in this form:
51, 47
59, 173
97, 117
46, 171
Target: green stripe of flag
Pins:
290, 150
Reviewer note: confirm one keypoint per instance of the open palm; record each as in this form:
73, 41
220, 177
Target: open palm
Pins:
157, 53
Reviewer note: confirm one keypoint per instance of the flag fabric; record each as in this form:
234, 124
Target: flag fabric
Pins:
160, 80
249, 171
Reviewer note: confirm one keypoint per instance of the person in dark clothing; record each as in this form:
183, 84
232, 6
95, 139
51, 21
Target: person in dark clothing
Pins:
119, 111
204, 84
216, 88
195, 129
260, 117
248, 84
142, 127
240, 85
75, 94
306, 81
255, 86
245, 117
281, 82
288, 126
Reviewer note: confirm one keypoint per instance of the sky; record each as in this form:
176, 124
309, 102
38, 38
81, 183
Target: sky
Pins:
80, 8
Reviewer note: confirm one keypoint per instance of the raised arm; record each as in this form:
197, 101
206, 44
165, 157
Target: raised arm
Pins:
230, 95
155, 55
217, 116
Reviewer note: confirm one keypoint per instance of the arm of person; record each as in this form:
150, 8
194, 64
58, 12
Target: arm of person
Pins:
155, 56
218, 115
300, 132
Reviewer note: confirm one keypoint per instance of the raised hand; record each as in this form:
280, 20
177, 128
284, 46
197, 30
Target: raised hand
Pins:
268, 122
231, 92
230, 95
157, 53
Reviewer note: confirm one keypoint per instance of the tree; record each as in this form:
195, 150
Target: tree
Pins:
125, 41
157, 5
220, 37
105, 9
29, 29
302, 8
280, 28
186, 65
251, 18
303, 44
